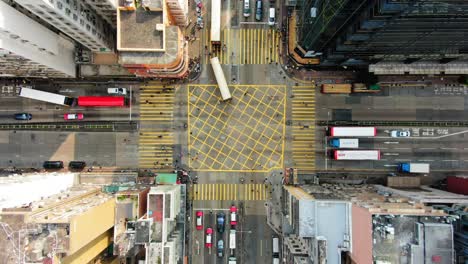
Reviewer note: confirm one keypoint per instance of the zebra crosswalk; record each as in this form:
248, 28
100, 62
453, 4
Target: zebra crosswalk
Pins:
303, 129
230, 192
156, 143
245, 46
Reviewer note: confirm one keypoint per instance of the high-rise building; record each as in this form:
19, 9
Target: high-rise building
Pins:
107, 9
75, 19
363, 32
73, 226
28, 49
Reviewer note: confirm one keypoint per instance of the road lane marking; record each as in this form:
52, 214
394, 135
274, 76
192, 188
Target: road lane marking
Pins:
261, 248
211, 209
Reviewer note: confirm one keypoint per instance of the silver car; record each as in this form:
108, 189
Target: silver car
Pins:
220, 249
400, 133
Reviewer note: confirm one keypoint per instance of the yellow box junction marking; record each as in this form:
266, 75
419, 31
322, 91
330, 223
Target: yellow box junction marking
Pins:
244, 134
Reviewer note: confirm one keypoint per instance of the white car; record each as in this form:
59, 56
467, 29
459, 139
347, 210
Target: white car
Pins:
117, 91
400, 133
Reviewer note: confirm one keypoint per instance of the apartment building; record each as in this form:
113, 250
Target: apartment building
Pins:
28, 49
75, 19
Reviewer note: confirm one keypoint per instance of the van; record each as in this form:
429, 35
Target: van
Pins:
77, 165
117, 91
275, 247
53, 164
246, 8
258, 11
271, 16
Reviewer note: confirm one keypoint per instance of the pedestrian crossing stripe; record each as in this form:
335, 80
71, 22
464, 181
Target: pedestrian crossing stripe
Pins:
156, 145
230, 192
245, 46
303, 128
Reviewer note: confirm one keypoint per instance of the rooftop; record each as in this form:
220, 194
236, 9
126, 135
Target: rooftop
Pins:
412, 238
139, 28
170, 54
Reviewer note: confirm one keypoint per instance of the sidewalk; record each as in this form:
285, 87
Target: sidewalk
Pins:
193, 35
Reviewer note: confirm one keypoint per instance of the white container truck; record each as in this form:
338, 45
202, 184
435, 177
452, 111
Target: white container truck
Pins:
414, 167
356, 154
352, 131
344, 142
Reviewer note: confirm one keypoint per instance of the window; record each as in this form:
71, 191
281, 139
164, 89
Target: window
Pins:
67, 11
59, 5
75, 17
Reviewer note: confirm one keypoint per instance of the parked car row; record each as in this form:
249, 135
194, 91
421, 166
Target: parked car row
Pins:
259, 11
58, 164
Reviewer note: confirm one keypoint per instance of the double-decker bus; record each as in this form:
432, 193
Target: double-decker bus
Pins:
220, 79
101, 101
46, 96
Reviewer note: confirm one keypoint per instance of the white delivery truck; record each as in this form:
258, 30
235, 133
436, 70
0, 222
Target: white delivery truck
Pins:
352, 131
414, 167
356, 154
344, 143
232, 240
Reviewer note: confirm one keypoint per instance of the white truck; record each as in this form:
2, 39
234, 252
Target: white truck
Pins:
414, 167
356, 154
344, 142
232, 260
232, 240
352, 131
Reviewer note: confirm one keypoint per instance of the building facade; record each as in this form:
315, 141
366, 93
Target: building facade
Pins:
345, 32
28, 49
107, 9
75, 19
73, 226
339, 223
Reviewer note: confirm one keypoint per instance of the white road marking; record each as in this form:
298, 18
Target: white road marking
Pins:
448, 148
402, 148
211, 209
425, 160
261, 248
449, 160
427, 148
402, 159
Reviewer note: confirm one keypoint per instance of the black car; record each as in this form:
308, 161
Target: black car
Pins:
23, 116
77, 165
220, 222
53, 164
